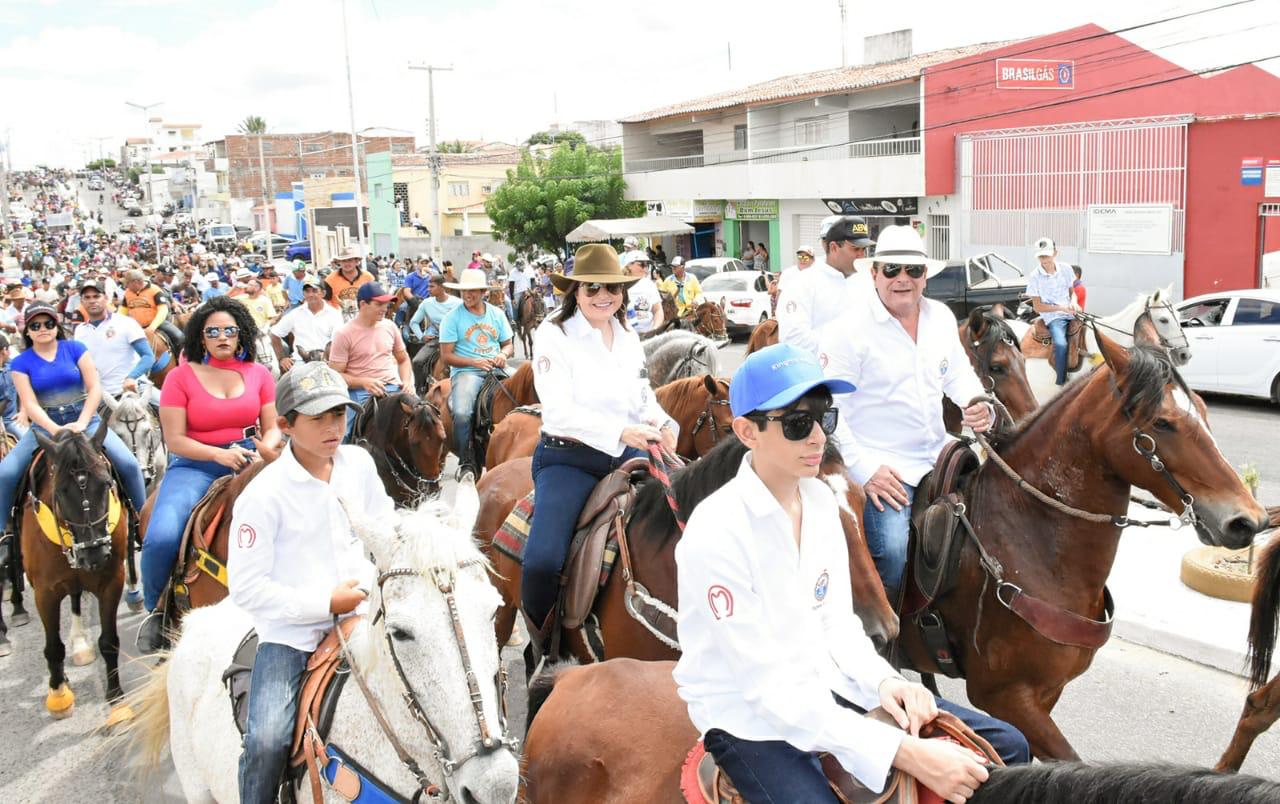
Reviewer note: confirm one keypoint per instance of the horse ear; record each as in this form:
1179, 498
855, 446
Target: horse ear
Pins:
466, 505
43, 440
977, 322
1000, 311
379, 537
406, 406
1117, 356
710, 383
110, 401
100, 435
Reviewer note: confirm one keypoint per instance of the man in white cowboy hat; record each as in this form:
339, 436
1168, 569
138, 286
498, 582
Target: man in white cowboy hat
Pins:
903, 352
11, 317
346, 281
215, 288
1050, 288
828, 288
475, 338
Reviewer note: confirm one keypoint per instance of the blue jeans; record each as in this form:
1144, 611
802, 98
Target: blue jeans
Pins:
1058, 331
18, 461
887, 535
463, 392
185, 482
360, 396
273, 708
563, 476
767, 771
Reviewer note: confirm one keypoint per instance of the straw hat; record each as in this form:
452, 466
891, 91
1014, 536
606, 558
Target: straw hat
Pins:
901, 245
347, 252
471, 279
594, 262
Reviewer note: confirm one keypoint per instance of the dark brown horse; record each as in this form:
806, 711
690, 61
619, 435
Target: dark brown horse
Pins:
700, 405
652, 534
408, 441
529, 315
73, 540
997, 359
763, 334
1131, 422
1262, 705
617, 731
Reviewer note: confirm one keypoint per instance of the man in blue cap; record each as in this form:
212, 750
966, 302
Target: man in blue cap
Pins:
763, 561
368, 351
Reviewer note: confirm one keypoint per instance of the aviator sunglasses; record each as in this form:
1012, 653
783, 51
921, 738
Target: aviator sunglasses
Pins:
891, 269
592, 288
798, 424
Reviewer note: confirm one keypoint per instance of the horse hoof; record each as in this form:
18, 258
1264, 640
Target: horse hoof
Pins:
133, 599
118, 714
19, 618
60, 702
82, 657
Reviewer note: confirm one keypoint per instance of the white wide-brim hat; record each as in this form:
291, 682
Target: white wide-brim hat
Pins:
901, 245
471, 279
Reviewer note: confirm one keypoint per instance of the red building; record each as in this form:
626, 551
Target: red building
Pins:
1130, 162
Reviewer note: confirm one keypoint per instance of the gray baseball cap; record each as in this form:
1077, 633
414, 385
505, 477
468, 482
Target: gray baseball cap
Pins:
311, 389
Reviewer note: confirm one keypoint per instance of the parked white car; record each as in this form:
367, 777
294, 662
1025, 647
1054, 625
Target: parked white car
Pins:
1235, 342
704, 267
744, 295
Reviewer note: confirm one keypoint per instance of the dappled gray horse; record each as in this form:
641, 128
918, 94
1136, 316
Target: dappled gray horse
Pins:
678, 354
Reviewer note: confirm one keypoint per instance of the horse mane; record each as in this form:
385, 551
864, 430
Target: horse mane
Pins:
691, 484
520, 383
685, 391
997, 328
1150, 370
652, 345
1054, 782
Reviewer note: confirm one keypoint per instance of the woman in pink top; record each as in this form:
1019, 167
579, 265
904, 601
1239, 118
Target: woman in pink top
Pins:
218, 413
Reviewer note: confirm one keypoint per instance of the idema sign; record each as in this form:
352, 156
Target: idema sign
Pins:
1035, 74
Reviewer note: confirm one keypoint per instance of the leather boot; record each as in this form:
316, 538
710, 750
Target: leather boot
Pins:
540, 636
151, 634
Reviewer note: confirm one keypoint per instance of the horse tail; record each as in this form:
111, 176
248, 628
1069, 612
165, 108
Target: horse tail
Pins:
1266, 608
543, 684
146, 736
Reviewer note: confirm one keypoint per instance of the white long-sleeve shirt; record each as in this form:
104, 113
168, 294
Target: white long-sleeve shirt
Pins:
895, 416
811, 299
768, 632
590, 393
291, 543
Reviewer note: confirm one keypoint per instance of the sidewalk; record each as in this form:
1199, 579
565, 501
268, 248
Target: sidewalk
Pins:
1155, 609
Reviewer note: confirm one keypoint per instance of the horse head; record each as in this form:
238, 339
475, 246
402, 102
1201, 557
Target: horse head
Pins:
428, 440
1159, 326
1161, 441
431, 650
998, 361
80, 485
709, 321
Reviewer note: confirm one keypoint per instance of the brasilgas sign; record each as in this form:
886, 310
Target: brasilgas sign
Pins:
1035, 74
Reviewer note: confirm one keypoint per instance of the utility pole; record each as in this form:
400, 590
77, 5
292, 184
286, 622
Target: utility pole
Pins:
437, 233
266, 200
355, 146
844, 35
4, 178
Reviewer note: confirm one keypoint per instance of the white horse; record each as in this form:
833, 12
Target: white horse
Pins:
415, 650
265, 353
1119, 328
135, 422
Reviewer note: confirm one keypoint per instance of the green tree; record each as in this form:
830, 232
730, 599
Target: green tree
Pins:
547, 138
253, 125
546, 197
454, 147
99, 164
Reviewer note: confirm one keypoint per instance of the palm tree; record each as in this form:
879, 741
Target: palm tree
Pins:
253, 125
455, 147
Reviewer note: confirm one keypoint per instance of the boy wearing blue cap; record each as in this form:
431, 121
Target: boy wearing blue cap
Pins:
763, 562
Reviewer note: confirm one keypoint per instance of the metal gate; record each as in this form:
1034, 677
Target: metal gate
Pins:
1020, 184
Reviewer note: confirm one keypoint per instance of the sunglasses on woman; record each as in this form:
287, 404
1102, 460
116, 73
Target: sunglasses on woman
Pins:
36, 326
798, 424
890, 270
592, 288
217, 332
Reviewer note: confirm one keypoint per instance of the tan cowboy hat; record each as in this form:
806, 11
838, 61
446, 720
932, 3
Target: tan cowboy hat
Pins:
594, 262
16, 292
472, 279
901, 245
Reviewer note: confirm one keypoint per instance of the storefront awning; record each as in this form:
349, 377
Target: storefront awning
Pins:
618, 228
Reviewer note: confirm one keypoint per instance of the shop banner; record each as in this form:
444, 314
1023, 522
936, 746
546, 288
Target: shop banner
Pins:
1035, 74
751, 210
873, 206
1131, 229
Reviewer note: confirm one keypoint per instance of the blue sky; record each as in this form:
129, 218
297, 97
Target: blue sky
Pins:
68, 66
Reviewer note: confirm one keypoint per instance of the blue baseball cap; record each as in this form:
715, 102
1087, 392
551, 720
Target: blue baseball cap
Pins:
776, 376
372, 291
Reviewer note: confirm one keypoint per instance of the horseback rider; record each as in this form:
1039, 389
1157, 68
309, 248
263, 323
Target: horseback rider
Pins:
312, 325
682, 286
148, 304
58, 389
903, 351
295, 563
218, 414
344, 282
597, 412
825, 290
475, 339
1051, 288
9, 395
431, 311
117, 342
644, 303
368, 351
775, 666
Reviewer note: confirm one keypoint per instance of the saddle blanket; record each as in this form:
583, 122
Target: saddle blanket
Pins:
511, 537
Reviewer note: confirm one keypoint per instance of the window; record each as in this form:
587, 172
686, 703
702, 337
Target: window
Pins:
486, 189
312, 147
811, 130
457, 233
939, 232
401, 147
1256, 311
740, 137
1207, 313
460, 189
400, 190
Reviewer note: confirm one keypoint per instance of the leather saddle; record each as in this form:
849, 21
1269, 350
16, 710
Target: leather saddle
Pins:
322, 684
711, 785
1039, 343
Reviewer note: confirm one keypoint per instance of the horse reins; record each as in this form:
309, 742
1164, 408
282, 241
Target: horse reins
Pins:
708, 418
400, 469
71, 551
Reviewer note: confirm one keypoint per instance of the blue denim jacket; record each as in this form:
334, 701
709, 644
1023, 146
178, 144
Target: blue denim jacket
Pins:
9, 393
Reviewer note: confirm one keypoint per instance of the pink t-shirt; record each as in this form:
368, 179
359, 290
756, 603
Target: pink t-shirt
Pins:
368, 351
219, 421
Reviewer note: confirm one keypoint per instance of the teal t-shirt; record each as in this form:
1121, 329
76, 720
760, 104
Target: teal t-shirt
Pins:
475, 336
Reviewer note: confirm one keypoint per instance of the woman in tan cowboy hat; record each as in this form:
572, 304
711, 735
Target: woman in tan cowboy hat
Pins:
597, 411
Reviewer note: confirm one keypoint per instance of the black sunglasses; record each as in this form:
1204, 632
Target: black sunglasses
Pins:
36, 326
215, 332
798, 424
892, 269
592, 288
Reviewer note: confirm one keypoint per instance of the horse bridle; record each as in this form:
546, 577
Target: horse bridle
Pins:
688, 359
400, 468
72, 551
984, 351
131, 424
1181, 343
486, 743
707, 417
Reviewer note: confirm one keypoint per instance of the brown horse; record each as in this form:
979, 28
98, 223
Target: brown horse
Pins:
408, 441
1262, 706
529, 315
652, 534
165, 359
997, 359
515, 437
707, 319
763, 334
1131, 422
69, 556
507, 395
